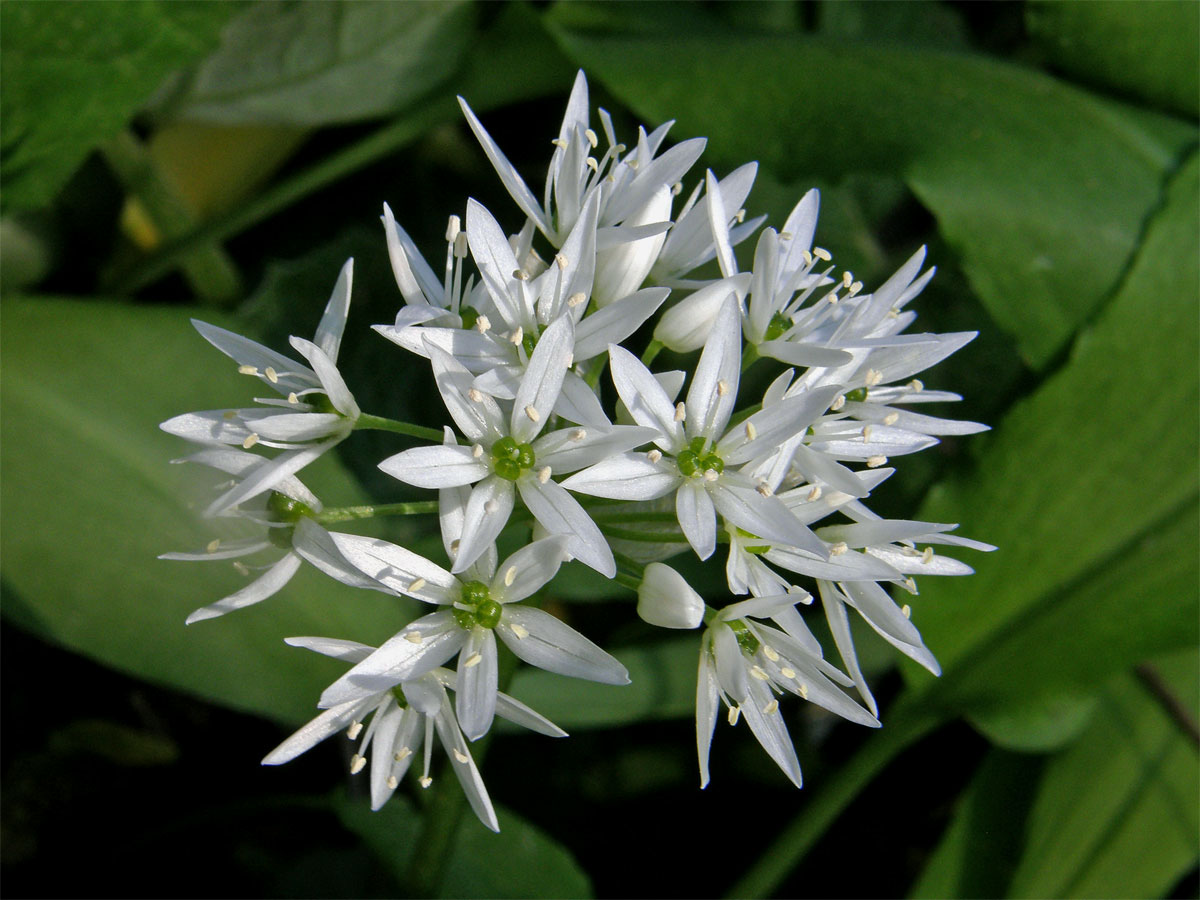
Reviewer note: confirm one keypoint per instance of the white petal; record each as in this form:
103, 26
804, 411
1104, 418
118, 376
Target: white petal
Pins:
542, 380
630, 476
497, 263
515, 711
466, 772
397, 568
644, 397
488, 509
687, 325
770, 731
350, 651
331, 379
387, 723
327, 723
666, 599
260, 589
551, 644
697, 517
475, 413
714, 388
570, 449
317, 546
839, 625
764, 517
416, 280
775, 424
616, 321
329, 332
579, 403
436, 466
529, 568
513, 183
475, 697
278, 470
706, 710
225, 550
560, 513
292, 375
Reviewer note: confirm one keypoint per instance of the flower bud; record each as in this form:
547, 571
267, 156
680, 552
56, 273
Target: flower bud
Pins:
621, 270
666, 600
686, 325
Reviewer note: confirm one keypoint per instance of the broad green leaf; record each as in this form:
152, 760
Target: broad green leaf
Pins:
520, 861
74, 73
1087, 489
326, 63
1115, 813
982, 845
1043, 189
662, 686
90, 500
1147, 50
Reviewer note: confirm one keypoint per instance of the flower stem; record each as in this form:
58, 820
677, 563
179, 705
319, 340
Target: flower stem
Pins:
350, 513
649, 537
379, 423
651, 352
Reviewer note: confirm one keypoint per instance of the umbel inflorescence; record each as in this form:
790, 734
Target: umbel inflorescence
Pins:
520, 332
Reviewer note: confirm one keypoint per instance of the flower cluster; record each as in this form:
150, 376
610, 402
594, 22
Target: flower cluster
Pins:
522, 333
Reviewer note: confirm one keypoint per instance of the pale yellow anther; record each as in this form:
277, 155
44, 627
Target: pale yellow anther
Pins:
491, 507
916, 385
393, 782
292, 398
632, 163
763, 489
560, 261
454, 545
722, 388
807, 257
740, 216
838, 549
357, 763
578, 434
272, 375
533, 414
906, 610
787, 672
802, 689
560, 143
461, 757
354, 729
770, 653
402, 754
424, 781
866, 434
814, 494
847, 279
711, 475
771, 708
570, 360
520, 275
927, 556
677, 189
477, 451
414, 637
247, 370
577, 298
838, 402
891, 418
680, 411
654, 456
520, 631
591, 137
543, 475
759, 673
475, 395
592, 164
240, 568
822, 254
785, 235
472, 661
213, 545
510, 576
855, 288
874, 462
250, 441
517, 336
910, 551
910, 585
751, 431
733, 715
415, 585
874, 376
483, 323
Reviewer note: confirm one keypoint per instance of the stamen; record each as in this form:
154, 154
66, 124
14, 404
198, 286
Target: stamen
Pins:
803, 690
354, 729
247, 370
229, 415
771, 708
906, 610
874, 376
764, 489
578, 434
250, 441
654, 456
461, 757
680, 411
453, 228
472, 661
815, 493
392, 782
591, 137
734, 713
477, 451
543, 475
759, 673
910, 585
561, 261
517, 336
424, 781
874, 462
855, 288
534, 415
677, 189
847, 279
822, 254
866, 434
402, 754
838, 402
787, 672
560, 143
927, 556
510, 576
770, 653
916, 385
891, 418
415, 585
592, 164
576, 298
520, 631
461, 248
357, 763
520, 275
807, 257
474, 395
491, 506
838, 549
739, 216
722, 388
292, 398
414, 637
751, 431
483, 323
213, 545
240, 568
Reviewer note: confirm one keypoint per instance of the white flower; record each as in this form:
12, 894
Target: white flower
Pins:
318, 412
283, 519
745, 664
475, 609
666, 599
403, 717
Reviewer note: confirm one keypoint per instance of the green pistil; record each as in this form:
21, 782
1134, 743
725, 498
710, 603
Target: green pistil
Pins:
400, 698
470, 316
287, 509
756, 549
320, 402
696, 459
858, 395
484, 612
779, 324
528, 342
510, 459
748, 642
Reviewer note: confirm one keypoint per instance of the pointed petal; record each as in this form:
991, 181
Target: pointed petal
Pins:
260, 589
560, 513
436, 466
706, 710
542, 381
464, 766
291, 375
697, 517
475, 697
327, 723
475, 413
644, 397
397, 568
529, 568
331, 379
511, 179
616, 321
714, 388
549, 643
329, 331
488, 509
350, 651
317, 546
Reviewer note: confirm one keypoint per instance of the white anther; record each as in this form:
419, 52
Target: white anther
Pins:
906, 610
874, 376
424, 781
822, 254
453, 227
490, 507
240, 567
517, 336
734, 713
272, 375
815, 493
543, 475
847, 279
461, 757
769, 653
654, 456
402, 754
910, 585
838, 549
292, 398
757, 672
751, 431
520, 631
533, 414
475, 395
393, 782
739, 216
866, 434
414, 637
472, 661
247, 370
874, 462
927, 556
855, 288
510, 576
357, 763
415, 585
785, 235
764, 489
711, 475
916, 385
680, 411
591, 137
213, 545
577, 298
483, 323
560, 143
677, 189
520, 275
461, 247
354, 729
838, 402
250, 441
578, 434
722, 388
832, 298
477, 451
771, 708
802, 688
891, 418
807, 257
561, 261
787, 672
909, 551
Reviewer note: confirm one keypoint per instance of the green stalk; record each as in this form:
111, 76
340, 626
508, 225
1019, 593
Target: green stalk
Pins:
652, 351
379, 423
350, 513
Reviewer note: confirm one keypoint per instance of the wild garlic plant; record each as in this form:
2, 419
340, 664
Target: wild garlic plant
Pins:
521, 331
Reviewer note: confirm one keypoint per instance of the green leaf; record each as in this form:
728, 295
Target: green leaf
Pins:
90, 501
520, 861
663, 686
1043, 189
1087, 488
74, 73
1146, 50
1115, 813
325, 63
980, 848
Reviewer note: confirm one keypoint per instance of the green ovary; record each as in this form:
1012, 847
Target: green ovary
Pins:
510, 459
696, 460
748, 642
483, 612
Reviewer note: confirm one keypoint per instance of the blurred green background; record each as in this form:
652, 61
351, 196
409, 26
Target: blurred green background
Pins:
168, 160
